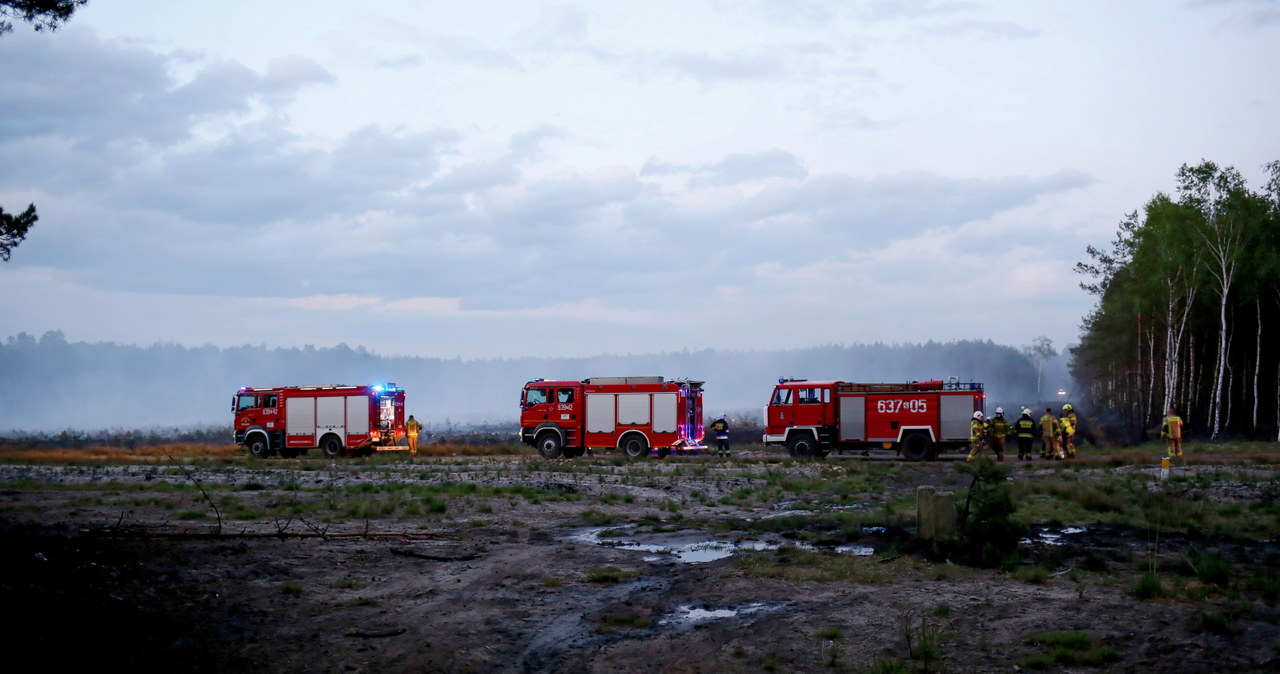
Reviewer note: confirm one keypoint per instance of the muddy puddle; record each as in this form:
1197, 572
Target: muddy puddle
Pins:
693, 547
688, 615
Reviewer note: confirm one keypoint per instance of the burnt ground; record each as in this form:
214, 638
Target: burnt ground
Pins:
107, 570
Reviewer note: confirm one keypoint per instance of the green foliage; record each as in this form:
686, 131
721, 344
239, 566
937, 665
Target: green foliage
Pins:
604, 574
1068, 649
1172, 271
1149, 586
1212, 622
290, 588
1209, 566
41, 14
988, 535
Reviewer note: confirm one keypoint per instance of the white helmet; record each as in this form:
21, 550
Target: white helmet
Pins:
999, 411
1026, 411
977, 415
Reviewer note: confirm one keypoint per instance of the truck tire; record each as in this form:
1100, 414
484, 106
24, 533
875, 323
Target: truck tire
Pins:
635, 446
257, 446
549, 445
332, 446
803, 446
916, 447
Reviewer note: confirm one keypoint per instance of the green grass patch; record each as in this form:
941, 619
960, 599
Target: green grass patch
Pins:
791, 563
1068, 649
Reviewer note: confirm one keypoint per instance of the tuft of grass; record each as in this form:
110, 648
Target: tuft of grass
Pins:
830, 634
790, 563
290, 588
1033, 575
604, 574
1149, 586
1212, 622
1068, 649
347, 584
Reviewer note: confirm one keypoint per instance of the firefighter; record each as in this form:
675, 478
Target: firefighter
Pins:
999, 430
721, 428
1025, 427
977, 434
1049, 430
413, 427
1068, 422
1171, 431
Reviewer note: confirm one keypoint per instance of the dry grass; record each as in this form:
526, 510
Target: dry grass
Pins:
105, 454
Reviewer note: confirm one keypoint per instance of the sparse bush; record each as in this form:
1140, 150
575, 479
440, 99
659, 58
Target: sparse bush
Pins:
988, 534
605, 574
1149, 586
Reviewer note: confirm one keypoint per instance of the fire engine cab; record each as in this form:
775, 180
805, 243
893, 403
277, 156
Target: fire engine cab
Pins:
917, 419
637, 415
289, 420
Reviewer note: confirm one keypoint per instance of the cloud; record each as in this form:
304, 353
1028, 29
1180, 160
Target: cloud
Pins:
127, 93
982, 30
734, 168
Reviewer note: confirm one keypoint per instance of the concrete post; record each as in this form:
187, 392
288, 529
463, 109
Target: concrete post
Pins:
935, 514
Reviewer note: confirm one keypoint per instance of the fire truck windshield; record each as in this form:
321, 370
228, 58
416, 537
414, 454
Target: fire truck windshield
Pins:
535, 396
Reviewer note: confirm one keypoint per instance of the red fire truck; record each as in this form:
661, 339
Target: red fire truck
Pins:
918, 419
289, 420
634, 414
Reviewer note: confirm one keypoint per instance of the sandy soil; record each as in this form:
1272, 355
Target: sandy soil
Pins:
98, 574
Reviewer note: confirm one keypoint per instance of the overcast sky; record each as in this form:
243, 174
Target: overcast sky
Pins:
522, 178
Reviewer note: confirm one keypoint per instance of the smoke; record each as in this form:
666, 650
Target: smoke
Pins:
51, 384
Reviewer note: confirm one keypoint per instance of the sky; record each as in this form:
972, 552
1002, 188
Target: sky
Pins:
502, 179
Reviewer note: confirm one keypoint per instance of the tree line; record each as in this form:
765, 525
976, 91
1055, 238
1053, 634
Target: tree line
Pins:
52, 384
1188, 294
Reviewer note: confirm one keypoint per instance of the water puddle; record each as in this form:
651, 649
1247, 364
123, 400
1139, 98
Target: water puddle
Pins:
691, 548
688, 615
1051, 536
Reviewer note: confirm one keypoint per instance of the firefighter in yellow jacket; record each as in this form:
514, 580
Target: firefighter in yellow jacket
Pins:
977, 434
1068, 421
998, 430
413, 427
1171, 431
1049, 430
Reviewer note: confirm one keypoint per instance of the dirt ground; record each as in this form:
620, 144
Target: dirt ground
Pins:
100, 574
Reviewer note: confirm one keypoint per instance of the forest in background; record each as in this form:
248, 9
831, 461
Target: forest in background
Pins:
54, 385
1188, 310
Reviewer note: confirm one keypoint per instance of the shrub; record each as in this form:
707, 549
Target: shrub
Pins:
1149, 586
988, 534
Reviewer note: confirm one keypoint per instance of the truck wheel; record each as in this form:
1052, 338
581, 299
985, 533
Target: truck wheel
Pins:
549, 445
916, 447
258, 447
332, 446
802, 446
635, 446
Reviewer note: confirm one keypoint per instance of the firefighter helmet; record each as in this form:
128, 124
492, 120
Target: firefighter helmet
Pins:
999, 411
977, 415
1067, 407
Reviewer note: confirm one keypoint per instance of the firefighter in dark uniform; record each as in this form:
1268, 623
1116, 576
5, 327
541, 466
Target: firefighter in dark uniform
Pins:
1025, 427
720, 428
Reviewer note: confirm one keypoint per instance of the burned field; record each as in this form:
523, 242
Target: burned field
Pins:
513, 563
